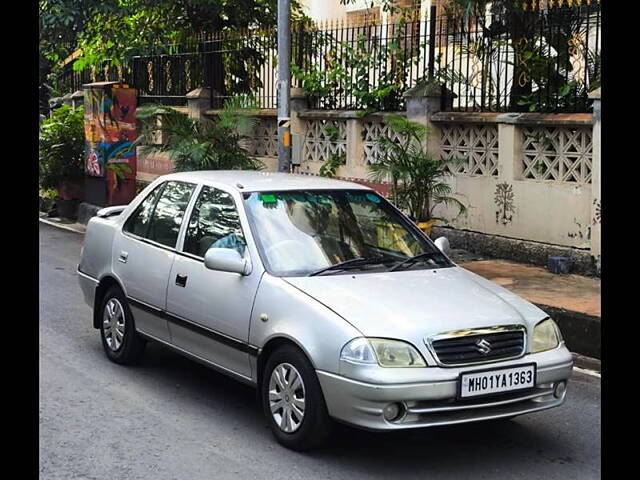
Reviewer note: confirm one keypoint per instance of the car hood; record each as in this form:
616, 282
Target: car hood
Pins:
412, 304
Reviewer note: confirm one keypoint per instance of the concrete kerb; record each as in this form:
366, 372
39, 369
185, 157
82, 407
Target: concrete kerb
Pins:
581, 332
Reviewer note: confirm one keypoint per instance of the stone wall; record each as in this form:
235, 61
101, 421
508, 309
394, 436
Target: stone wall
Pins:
525, 177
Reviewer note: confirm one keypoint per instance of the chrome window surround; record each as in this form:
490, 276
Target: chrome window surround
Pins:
476, 331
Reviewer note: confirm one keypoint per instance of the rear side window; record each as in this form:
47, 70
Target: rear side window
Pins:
138, 222
160, 215
169, 213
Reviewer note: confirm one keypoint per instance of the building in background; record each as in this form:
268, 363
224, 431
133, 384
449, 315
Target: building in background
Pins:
365, 11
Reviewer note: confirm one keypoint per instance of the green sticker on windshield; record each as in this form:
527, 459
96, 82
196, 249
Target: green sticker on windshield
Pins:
268, 198
373, 198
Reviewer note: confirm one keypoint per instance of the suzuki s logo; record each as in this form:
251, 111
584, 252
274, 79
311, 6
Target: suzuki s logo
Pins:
483, 346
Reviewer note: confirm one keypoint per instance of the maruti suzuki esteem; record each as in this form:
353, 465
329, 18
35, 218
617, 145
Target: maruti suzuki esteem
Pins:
323, 296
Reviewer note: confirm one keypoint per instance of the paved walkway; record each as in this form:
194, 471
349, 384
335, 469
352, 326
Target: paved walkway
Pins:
569, 292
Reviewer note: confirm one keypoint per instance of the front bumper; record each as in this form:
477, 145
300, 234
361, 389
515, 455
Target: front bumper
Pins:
433, 401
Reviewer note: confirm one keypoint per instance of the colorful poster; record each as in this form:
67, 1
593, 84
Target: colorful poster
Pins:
110, 129
111, 138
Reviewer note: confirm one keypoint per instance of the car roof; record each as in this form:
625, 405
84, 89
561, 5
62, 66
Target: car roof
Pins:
257, 181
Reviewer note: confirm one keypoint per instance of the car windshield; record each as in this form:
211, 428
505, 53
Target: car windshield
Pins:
304, 232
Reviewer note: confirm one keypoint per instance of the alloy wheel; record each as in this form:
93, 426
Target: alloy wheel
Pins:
113, 323
286, 397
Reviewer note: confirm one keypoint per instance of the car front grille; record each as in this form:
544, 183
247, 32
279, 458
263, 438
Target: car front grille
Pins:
478, 346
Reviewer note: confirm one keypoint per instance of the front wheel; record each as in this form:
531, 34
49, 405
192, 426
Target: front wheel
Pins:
293, 402
120, 341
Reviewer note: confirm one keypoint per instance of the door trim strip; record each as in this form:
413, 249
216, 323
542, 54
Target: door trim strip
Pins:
197, 328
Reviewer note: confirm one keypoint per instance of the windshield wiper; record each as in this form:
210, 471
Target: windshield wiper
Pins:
353, 262
414, 259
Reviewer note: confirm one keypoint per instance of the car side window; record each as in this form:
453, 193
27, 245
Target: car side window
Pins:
138, 222
214, 223
169, 212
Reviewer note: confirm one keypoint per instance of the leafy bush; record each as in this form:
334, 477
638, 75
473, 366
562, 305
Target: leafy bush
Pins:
202, 144
61, 147
417, 178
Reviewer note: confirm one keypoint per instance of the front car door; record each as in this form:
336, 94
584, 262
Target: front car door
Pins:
209, 311
145, 250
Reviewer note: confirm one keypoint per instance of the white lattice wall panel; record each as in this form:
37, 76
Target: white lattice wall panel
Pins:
371, 132
323, 139
265, 140
475, 144
561, 154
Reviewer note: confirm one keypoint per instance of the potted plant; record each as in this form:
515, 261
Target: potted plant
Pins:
417, 178
61, 157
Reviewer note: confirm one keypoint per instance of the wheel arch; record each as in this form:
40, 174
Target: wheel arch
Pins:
105, 284
273, 344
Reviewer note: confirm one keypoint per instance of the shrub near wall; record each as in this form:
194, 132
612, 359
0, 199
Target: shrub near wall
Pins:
61, 152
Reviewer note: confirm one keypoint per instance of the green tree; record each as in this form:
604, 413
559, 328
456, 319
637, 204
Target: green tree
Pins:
115, 29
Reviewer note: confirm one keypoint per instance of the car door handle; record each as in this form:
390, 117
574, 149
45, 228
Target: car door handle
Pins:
181, 280
123, 257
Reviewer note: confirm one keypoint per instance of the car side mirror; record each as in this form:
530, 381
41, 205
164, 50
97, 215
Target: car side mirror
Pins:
226, 260
443, 244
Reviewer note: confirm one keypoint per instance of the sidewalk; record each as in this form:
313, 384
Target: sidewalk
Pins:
572, 300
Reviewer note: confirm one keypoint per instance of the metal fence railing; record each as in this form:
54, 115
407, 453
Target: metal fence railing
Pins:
526, 60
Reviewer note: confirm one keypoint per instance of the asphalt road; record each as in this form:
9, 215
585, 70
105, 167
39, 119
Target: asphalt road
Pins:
170, 418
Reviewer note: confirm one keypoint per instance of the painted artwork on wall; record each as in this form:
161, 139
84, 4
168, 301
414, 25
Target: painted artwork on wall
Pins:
110, 134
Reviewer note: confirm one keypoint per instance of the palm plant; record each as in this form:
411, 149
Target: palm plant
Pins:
201, 144
417, 178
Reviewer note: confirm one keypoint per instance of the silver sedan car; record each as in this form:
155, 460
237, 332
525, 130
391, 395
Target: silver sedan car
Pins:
324, 297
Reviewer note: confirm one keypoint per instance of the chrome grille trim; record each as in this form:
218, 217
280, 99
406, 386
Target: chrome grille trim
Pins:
473, 332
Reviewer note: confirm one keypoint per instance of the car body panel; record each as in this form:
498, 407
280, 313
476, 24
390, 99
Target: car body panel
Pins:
145, 276
294, 315
219, 301
226, 320
414, 304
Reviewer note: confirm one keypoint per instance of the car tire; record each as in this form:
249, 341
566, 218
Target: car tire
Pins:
314, 427
120, 341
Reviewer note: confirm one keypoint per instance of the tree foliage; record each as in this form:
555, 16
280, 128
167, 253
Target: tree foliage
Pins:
200, 144
108, 29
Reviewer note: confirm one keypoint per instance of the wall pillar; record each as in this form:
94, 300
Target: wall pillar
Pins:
354, 147
510, 140
198, 102
424, 100
595, 179
298, 103
77, 99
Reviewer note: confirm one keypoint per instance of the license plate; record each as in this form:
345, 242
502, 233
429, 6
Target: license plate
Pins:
487, 382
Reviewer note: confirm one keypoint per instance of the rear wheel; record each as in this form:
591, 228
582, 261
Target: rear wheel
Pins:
293, 402
120, 341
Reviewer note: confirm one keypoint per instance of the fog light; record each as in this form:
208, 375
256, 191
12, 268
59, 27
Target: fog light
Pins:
392, 412
560, 390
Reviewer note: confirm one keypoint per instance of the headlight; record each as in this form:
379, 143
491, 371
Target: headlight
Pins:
384, 352
546, 335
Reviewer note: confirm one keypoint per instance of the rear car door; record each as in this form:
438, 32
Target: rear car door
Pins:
209, 311
145, 250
